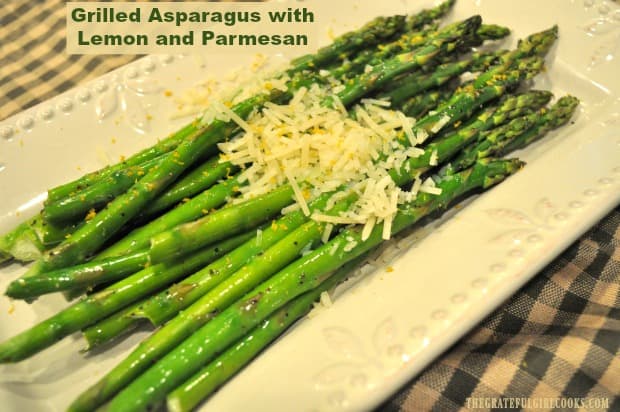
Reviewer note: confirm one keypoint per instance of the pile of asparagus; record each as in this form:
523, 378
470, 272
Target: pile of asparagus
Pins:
156, 239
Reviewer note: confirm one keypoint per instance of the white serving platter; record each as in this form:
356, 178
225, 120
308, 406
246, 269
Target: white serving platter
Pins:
387, 327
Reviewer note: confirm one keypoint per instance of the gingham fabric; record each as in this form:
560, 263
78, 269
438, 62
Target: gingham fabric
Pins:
556, 339
33, 64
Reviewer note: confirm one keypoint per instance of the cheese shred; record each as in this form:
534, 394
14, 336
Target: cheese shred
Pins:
317, 149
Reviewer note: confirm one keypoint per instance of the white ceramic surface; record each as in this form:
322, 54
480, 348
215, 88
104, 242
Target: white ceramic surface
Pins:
390, 324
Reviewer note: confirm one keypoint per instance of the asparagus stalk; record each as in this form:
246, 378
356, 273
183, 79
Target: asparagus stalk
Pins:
85, 275
211, 377
28, 240
492, 32
50, 234
21, 243
517, 133
491, 117
419, 105
446, 40
558, 115
413, 41
109, 300
486, 32
296, 279
220, 224
410, 41
113, 327
198, 206
534, 45
196, 181
77, 205
374, 32
414, 83
487, 59
407, 42
427, 16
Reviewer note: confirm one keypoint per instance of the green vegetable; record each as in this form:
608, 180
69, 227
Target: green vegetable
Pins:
21, 243
558, 115
419, 105
491, 117
446, 40
207, 380
198, 206
303, 275
78, 204
108, 329
87, 274
115, 297
414, 83
196, 181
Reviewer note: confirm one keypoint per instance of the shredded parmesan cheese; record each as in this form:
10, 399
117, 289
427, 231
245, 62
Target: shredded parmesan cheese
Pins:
433, 160
349, 246
298, 195
327, 232
317, 149
326, 299
440, 123
377, 102
334, 249
429, 187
